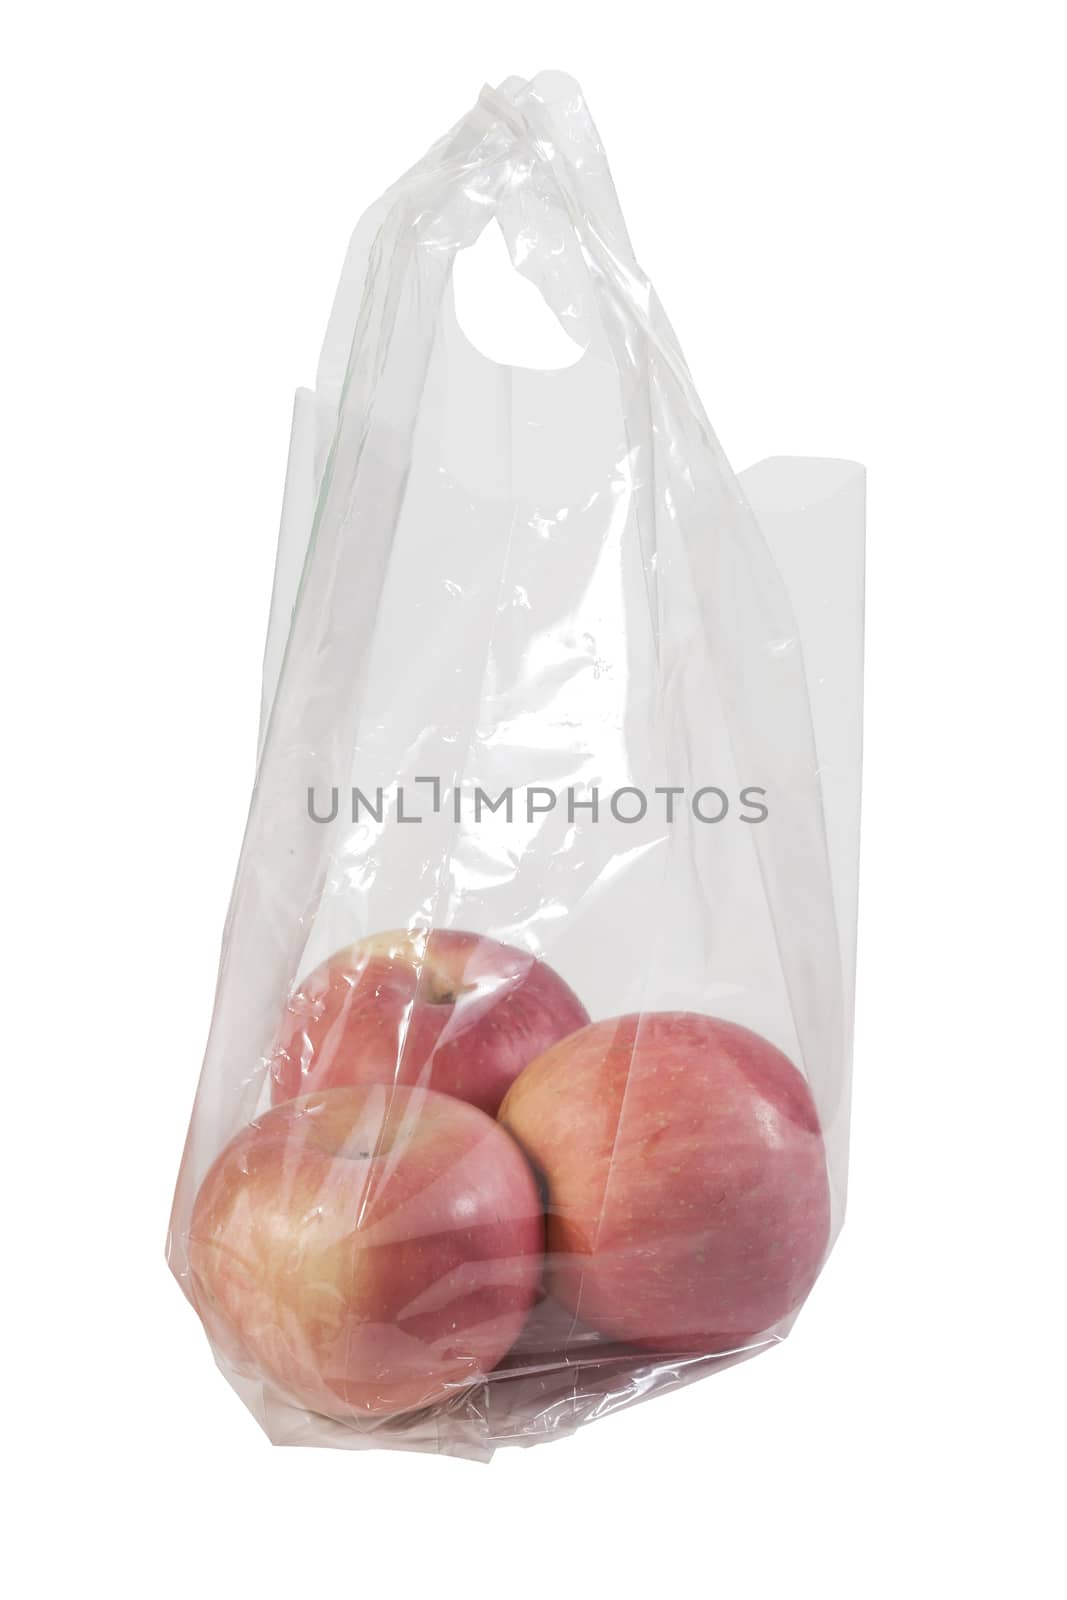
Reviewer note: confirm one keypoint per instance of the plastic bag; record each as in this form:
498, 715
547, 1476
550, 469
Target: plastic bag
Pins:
526, 1089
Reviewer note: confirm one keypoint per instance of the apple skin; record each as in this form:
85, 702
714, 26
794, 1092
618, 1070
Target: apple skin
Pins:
367, 1250
687, 1196
447, 1010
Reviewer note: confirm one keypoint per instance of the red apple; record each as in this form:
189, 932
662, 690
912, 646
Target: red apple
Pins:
367, 1250
446, 1010
686, 1179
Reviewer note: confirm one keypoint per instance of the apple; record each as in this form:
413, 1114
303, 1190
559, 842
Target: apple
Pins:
687, 1196
367, 1250
445, 1010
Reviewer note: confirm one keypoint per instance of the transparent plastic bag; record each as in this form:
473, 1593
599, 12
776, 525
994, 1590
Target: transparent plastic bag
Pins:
526, 1089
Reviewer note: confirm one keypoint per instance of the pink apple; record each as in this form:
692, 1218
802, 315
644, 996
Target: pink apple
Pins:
446, 1010
367, 1250
686, 1179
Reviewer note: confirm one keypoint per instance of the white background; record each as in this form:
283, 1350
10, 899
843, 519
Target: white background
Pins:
852, 214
